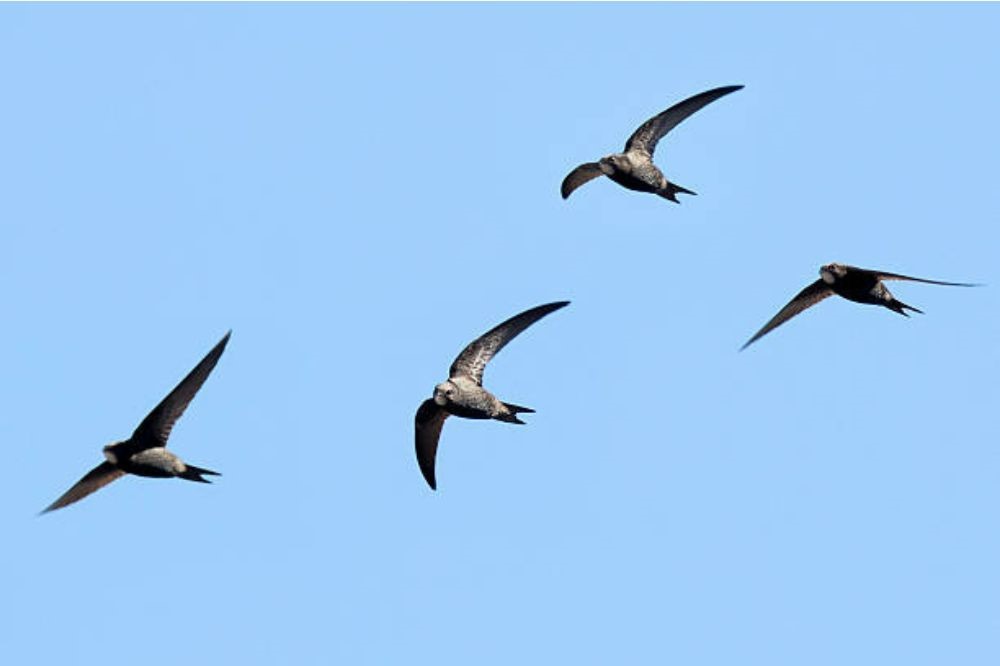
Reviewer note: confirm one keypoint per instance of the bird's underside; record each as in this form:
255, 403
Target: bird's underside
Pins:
860, 285
463, 395
634, 168
145, 453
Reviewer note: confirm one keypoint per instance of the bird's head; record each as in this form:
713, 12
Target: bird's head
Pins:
109, 453
612, 163
832, 272
444, 393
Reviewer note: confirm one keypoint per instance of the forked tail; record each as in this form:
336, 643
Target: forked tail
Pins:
192, 473
513, 411
671, 190
899, 306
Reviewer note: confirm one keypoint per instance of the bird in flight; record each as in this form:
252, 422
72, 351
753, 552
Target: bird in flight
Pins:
462, 394
145, 452
634, 168
855, 284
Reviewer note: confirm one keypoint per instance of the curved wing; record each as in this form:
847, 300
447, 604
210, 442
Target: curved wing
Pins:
94, 480
805, 299
155, 428
428, 423
882, 275
650, 132
578, 176
473, 359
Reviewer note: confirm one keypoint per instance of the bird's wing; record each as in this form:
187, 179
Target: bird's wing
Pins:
578, 176
473, 359
882, 275
95, 479
429, 420
650, 132
806, 298
155, 428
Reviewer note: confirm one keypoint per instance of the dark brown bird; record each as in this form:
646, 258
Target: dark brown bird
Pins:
462, 394
145, 453
855, 284
634, 168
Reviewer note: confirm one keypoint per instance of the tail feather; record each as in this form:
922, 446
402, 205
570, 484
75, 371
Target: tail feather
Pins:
899, 306
513, 411
192, 473
671, 190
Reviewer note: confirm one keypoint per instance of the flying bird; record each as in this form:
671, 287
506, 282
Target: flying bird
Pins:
145, 452
855, 284
634, 168
462, 394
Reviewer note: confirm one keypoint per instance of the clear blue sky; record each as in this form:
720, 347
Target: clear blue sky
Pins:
358, 191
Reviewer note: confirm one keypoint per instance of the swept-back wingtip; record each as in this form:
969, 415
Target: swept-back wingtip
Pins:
553, 307
579, 176
952, 284
725, 90
547, 308
429, 477
428, 473
51, 507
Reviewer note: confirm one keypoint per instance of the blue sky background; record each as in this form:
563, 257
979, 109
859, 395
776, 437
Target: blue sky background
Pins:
358, 191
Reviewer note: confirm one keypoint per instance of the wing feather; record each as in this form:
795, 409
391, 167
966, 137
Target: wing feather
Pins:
428, 423
578, 176
473, 359
650, 132
94, 480
882, 275
155, 428
805, 299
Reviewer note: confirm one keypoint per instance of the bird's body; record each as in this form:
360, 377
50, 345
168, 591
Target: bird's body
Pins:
634, 168
156, 462
145, 452
462, 394
635, 171
860, 285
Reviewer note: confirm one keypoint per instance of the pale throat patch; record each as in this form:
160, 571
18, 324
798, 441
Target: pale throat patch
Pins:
110, 455
827, 277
